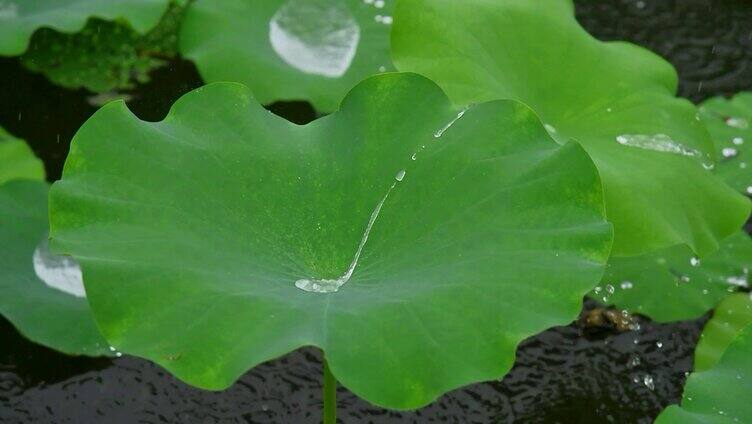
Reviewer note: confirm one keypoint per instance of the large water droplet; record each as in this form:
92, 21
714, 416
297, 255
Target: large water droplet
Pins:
443, 129
315, 36
325, 285
57, 271
657, 142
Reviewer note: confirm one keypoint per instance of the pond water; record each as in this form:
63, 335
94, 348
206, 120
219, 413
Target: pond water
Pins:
570, 374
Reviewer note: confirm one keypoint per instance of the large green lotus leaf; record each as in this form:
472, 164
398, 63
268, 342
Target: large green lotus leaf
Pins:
43, 295
314, 50
730, 124
673, 284
729, 317
614, 98
17, 161
718, 395
461, 233
104, 55
20, 18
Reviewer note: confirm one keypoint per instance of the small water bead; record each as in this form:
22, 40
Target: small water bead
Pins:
738, 281
740, 123
386, 20
694, 261
626, 285
379, 4
708, 166
684, 279
597, 289
738, 141
550, 128
382, 68
315, 36
749, 189
729, 152
635, 361
742, 165
704, 291
610, 289
414, 156
58, 271
659, 344
400, 175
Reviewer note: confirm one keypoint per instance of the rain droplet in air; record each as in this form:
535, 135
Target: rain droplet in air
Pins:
315, 36
58, 271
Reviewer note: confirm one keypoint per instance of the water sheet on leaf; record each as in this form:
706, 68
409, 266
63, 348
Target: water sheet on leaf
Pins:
314, 50
718, 395
20, 18
17, 161
449, 236
673, 284
43, 295
615, 98
730, 124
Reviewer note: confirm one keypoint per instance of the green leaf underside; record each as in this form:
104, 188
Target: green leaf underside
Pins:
20, 18
17, 161
43, 314
289, 49
718, 395
588, 90
193, 231
730, 124
673, 284
104, 55
731, 315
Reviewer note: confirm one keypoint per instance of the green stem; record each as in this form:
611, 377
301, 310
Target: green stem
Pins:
330, 396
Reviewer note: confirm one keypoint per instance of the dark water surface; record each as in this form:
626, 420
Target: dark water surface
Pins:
570, 374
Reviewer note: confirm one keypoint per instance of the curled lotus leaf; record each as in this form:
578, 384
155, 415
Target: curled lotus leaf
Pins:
616, 99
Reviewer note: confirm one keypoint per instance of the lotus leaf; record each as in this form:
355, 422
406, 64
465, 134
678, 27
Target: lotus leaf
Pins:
414, 243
